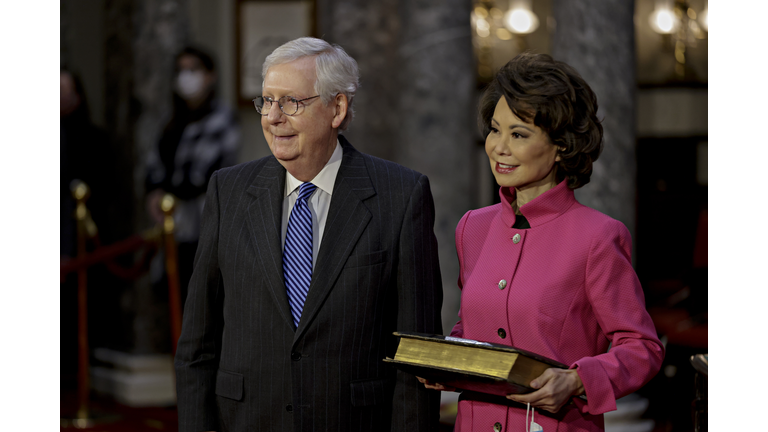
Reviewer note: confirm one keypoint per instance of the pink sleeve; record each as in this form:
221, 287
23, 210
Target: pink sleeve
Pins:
458, 329
618, 303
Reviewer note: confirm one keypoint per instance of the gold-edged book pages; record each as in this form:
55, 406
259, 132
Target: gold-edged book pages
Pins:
468, 364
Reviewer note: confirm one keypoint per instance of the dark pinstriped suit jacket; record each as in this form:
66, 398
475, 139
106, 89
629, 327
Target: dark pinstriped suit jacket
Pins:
240, 364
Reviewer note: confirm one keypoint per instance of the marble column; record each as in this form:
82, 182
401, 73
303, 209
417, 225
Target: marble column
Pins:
416, 104
368, 31
597, 37
436, 100
161, 30
120, 106
115, 41
64, 34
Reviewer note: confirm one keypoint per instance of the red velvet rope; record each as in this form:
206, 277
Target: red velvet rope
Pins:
107, 255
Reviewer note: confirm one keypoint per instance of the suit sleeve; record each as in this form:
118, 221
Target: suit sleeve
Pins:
197, 354
618, 303
420, 298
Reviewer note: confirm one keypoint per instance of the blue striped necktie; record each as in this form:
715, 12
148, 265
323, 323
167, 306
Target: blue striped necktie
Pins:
297, 256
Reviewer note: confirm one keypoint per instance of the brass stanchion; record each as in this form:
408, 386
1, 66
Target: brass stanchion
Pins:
700, 404
168, 205
86, 228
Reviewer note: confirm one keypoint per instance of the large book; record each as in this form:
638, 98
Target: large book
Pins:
468, 364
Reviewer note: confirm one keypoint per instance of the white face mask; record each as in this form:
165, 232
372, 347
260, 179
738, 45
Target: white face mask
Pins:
190, 84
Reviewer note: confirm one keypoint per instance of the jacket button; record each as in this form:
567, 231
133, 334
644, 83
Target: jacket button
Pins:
502, 333
516, 238
497, 427
295, 356
502, 284
289, 408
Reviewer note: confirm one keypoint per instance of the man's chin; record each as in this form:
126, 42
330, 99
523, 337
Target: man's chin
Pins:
288, 161
284, 151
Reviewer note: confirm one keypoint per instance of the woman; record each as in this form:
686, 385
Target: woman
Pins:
202, 137
540, 271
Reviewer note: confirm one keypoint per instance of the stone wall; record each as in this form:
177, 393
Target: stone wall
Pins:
597, 37
416, 102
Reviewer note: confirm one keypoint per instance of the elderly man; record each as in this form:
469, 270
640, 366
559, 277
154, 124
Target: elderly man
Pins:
308, 261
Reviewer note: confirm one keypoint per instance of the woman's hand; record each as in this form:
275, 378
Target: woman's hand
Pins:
555, 388
435, 386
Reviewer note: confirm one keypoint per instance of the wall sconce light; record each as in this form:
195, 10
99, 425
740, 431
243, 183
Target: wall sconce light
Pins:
500, 25
680, 27
663, 19
704, 17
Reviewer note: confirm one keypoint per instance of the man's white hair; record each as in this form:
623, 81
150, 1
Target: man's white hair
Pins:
337, 72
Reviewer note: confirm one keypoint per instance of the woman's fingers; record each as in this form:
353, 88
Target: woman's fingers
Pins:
555, 389
434, 386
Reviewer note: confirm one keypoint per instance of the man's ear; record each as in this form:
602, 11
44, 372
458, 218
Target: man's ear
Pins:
340, 104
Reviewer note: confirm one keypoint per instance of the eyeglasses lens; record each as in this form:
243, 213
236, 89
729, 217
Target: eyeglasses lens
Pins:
288, 105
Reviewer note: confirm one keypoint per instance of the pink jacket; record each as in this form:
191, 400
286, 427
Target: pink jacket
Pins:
565, 289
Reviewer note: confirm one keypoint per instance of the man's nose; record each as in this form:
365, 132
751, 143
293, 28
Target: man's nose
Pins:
275, 114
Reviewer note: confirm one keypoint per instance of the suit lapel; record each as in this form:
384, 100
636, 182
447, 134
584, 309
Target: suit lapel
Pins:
347, 218
264, 223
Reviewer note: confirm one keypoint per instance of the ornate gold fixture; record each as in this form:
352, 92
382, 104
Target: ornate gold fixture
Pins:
500, 22
681, 27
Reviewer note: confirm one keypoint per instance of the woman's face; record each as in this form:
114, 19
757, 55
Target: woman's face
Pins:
520, 153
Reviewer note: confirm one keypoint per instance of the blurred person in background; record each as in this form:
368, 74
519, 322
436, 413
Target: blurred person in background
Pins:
84, 155
202, 136
542, 272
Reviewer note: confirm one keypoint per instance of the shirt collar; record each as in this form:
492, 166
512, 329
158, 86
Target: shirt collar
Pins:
541, 209
325, 179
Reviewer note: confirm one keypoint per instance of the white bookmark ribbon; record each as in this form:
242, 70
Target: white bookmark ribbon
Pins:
534, 427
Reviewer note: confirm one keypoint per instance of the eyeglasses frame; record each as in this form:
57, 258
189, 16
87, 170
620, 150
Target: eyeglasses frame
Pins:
281, 105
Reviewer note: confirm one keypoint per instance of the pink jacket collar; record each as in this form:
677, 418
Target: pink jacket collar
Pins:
542, 209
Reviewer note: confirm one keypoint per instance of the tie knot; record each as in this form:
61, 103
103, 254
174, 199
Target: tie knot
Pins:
305, 190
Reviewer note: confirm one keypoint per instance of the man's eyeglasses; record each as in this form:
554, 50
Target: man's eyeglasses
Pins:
289, 105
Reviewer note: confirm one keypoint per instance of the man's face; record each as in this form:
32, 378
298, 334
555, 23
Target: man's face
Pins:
303, 142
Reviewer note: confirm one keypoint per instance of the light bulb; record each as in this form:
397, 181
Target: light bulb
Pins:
663, 21
521, 21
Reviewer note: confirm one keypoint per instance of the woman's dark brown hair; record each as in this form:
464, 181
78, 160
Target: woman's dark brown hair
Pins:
559, 101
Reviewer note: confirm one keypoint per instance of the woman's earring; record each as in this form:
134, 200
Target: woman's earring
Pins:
559, 150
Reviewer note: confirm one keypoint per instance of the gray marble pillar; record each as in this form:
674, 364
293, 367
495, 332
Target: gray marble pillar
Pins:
119, 119
162, 28
63, 34
369, 32
597, 38
416, 104
436, 101
160, 31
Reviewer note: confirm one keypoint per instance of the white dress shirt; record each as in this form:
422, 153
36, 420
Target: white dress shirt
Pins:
318, 203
